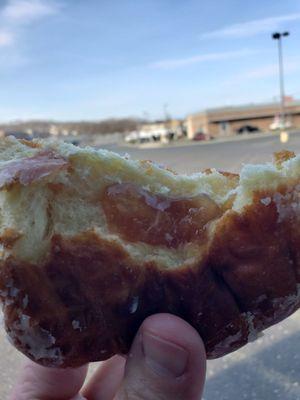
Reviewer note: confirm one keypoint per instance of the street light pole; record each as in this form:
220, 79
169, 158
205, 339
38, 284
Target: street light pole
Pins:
278, 36
281, 80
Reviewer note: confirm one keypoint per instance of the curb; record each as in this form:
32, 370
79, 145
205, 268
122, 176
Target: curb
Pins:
239, 138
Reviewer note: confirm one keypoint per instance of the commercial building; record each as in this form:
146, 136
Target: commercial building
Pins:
228, 121
171, 125
157, 131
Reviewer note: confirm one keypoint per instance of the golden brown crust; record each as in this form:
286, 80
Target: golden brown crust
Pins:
230, 175
9, 237
29, 143
254, 253
282, 156
91, 297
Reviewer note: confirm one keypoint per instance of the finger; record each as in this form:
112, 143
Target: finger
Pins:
167, 361
106, 380
37, 382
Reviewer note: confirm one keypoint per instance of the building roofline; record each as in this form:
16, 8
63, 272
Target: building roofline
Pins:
242, 107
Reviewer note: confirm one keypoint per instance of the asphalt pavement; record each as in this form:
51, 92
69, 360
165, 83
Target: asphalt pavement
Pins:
269, 368
226, 155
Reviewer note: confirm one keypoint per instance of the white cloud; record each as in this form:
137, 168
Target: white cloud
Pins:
22, 11
268, 71
263, 72
251, 28
183, 62
15, 15
6, 38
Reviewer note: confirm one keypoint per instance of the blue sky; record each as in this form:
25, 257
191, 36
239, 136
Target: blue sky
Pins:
93, 59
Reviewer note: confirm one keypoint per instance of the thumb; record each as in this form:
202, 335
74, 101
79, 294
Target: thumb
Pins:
167, 361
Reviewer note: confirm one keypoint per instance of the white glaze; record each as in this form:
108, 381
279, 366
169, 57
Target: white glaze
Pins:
37, 341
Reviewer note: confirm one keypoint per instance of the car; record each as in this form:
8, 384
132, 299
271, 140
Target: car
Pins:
200, 136
132, 137
247, 129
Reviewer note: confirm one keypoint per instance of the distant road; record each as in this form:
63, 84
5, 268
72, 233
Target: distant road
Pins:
224, 155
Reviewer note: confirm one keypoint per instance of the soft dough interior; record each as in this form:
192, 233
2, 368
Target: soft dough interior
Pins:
68, 201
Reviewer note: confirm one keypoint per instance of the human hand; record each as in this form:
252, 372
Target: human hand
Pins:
166, 362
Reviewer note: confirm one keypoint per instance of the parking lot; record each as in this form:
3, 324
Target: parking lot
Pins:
268, 369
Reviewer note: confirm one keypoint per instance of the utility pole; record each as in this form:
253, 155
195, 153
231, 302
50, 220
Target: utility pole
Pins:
278, 36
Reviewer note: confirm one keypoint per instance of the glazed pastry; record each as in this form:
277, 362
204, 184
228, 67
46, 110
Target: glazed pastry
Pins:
92, 243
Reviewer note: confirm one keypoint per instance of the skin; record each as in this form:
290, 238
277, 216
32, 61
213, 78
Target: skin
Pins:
166, 361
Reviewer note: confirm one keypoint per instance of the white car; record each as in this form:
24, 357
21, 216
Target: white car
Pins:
132, 137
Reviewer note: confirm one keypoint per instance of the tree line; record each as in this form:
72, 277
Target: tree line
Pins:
107, 126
